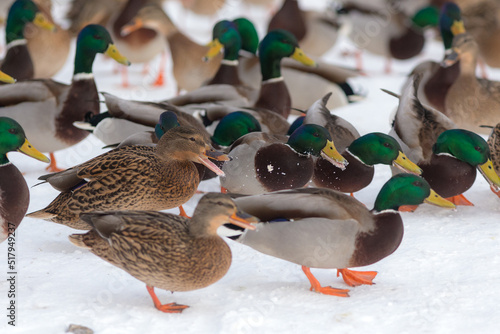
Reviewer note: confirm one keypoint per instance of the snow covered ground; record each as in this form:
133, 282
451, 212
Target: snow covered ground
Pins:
443, 278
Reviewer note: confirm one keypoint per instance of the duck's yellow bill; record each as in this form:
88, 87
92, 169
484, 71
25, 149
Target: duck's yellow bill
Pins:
490, 175
42, 22
4, 77
215, 48
134, 25
457, 27
330, 153
243, 220
32, 152
113, 52
402, 162
301, 57
435, 199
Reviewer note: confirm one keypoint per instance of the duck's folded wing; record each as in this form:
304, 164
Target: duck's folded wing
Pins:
30, 91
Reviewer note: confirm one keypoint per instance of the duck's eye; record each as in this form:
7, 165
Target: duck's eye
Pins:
13, 131
316, 134
417, 183
97, 37
477, 148
192, 139
386, 144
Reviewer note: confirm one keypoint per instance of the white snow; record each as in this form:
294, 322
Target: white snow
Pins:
443, 278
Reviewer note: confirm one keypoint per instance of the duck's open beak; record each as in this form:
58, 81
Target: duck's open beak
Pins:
32, 152
4, 77
243, 220
113, 52
134, 25
42, 22
203, 159
435, 199
301, 57
490, 175
330, 153
215, 48
402, 162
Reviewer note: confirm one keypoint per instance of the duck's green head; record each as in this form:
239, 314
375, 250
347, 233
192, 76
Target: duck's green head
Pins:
167, 121
469, 147
12, 138
233, 126
379, 148
450, 23
407, 189
427, 16
20, 13
248, 33
224, 35
277, 45
316, 140
94, 39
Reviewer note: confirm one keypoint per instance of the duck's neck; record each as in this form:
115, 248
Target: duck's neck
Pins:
270, 67
468, 64
14, 30
4, 160
227, 73
83, 61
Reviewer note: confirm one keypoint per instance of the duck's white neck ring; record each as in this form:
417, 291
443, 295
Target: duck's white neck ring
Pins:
272, 80
356, 157
16, 42
229, 62
83, 76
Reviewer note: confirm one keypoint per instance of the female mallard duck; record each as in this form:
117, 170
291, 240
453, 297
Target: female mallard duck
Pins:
470, 101
316, 32
448, 156
344, 231
18, 61
164, 250
436, 79
46, 109
494, 145
132, 177
15, 192
261, 162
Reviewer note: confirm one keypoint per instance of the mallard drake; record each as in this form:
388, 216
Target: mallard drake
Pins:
448, 156
333, 230
316, 32
47, 64
436, 79
13, 187
18, 60
133, 177
261, 162
164, 250
470, 101
46, 109
233, 126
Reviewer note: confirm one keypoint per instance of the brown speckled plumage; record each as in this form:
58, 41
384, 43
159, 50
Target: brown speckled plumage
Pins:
494, 145
131, 177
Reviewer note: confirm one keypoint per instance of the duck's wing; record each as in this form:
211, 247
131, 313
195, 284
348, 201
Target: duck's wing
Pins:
416, 126
39, 90
332, 73
224, 94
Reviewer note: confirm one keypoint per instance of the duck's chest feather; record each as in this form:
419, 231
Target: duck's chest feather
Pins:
355, 177
81, 99
278, 167
383, 240
227, 74
274, 96
14, 198
439, 83
17, 63
448, 176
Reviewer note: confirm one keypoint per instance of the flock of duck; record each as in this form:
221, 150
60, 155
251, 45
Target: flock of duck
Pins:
284, 187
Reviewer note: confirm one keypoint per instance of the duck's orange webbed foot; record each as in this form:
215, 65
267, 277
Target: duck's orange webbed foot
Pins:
326, 290
182, 212
355, 278
52, 167
460, 200
407, 208
167, 308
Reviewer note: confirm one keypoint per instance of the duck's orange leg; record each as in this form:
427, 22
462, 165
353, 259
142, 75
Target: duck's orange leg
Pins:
167, 308
125, 82
160, 79
52, 167
408, 208
182, 212
327, 290
223, 190
355, 278
460, 200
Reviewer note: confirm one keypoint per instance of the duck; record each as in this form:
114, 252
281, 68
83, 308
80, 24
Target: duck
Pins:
164, 250
315, 31
46, 109
84, 12
13, 187
260, 162
494, 146
470, 101
18, 61
436, 79
135, 177
140, 44
343, 229
448, 155
234, 126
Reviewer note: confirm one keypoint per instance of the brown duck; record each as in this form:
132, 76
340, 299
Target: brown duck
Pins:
131, 177
164, 250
